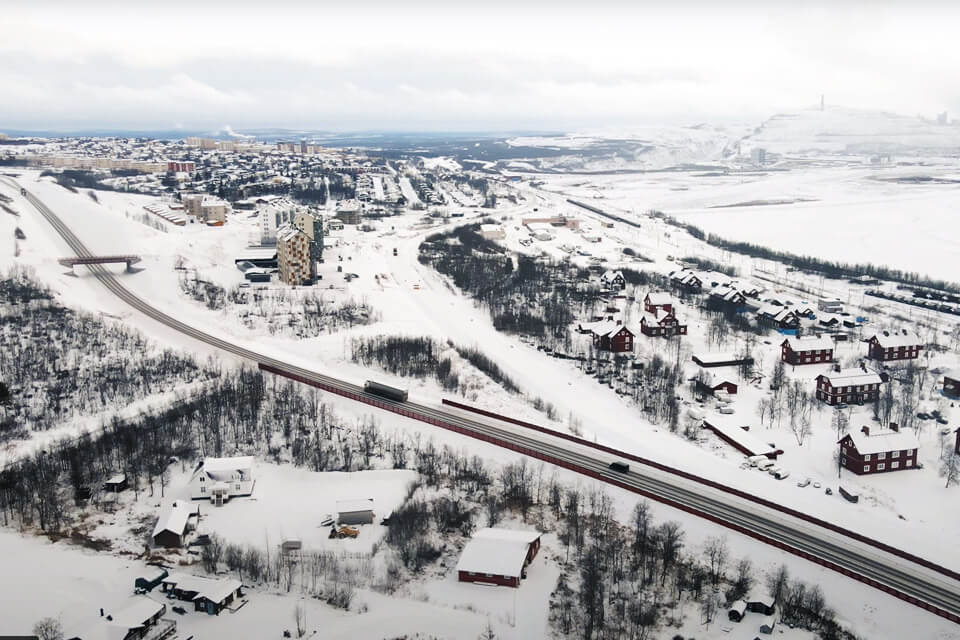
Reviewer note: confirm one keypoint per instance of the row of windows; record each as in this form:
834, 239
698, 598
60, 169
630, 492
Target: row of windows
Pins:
883, 467
883, 454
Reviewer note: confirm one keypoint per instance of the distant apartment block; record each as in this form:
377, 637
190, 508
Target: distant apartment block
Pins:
206, 208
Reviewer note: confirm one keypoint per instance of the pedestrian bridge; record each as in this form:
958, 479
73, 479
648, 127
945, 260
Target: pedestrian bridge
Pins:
72, 262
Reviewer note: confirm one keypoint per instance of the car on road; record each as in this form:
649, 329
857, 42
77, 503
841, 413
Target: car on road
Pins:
923, 416
621, 467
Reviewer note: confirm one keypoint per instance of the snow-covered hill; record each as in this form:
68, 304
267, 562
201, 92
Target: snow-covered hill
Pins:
853, 131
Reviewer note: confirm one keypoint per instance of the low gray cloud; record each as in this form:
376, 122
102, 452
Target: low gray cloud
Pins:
430, 66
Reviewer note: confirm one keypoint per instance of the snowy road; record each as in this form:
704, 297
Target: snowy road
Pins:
919, 582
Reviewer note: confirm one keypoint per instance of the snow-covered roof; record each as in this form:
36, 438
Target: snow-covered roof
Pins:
809, 343
611, 275
117, 478
174, 519
884, 441
134, 612
500, 552
658, 298
357, 504
236, 463
849, 377
736, 433
897, 340
721, 356
210, 588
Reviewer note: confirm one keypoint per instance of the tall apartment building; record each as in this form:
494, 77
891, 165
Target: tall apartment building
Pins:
274, 214
312, 225
294, 259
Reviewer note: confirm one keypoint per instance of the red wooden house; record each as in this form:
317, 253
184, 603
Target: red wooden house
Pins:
899, 346
657, 300
610, 335
806, 350
661, 324
863, 452
848, 386
498, 556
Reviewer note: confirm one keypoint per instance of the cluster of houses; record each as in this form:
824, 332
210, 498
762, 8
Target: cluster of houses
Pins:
659, 320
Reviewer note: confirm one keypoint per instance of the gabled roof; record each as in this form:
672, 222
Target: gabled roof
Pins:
611, 275
235, 463
174, 519
848, 377
809, 343
897, 340
658, 298
209, 588
134, 612
883, 441
501, 552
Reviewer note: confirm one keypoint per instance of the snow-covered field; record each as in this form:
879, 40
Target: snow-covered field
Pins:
842, 209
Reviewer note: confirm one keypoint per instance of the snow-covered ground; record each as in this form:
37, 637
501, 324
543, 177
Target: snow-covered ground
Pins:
847, 211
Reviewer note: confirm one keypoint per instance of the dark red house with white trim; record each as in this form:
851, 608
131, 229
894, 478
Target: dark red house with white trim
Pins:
498, 556
881, 452
899, 346
806, 350
657, 300
849, 386
610, 335
662, 324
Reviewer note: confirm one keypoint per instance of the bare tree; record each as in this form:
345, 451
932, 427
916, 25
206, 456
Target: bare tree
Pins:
716, 553
300, 617
48, 629
950, 468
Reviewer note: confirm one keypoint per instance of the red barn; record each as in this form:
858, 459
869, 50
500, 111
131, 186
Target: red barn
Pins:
806, 350
863, 452
855, 386
899, 346
661, 323
656, 300
498, 556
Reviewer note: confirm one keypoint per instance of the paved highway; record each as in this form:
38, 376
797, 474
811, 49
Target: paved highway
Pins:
889, 572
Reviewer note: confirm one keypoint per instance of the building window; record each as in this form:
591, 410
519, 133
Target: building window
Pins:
895, 465
882, 455
866, 468
203, 489
895, 454
881, 467
866, 457
908, 463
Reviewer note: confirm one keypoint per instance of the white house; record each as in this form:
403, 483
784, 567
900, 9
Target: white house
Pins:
220, 479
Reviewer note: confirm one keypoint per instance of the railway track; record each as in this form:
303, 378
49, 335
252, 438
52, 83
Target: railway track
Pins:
898, 573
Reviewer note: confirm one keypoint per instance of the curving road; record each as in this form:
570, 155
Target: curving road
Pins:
895, 572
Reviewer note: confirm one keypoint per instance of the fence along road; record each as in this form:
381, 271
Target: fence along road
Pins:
890, 570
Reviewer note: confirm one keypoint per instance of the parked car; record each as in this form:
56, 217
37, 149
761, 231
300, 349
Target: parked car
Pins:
621, 467
923, 416
803, 483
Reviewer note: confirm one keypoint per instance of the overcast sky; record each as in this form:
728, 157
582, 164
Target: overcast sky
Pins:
488, 66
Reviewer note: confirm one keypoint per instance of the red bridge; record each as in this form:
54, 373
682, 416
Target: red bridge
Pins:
72, 262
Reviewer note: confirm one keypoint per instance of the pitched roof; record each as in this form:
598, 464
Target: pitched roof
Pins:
235, 463
848, 377
809, 343
883, 441
174, 519
658, 298
898, 340
356, 504
134, 612
501, 552
209, 588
